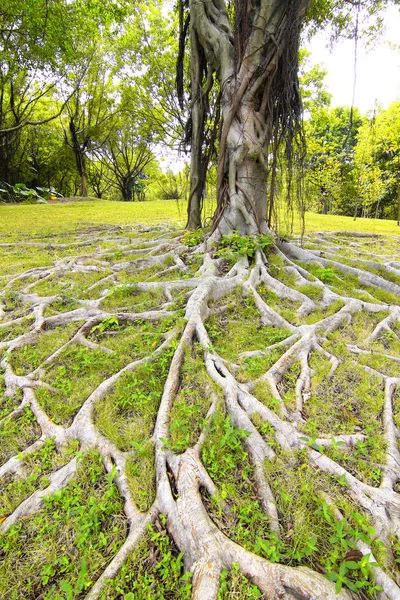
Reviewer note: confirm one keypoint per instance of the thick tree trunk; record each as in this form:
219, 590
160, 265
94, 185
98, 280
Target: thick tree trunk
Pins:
256, 66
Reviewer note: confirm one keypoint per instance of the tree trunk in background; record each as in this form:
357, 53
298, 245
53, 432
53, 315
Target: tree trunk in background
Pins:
79, 158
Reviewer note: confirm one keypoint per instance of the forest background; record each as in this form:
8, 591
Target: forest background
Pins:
91, 112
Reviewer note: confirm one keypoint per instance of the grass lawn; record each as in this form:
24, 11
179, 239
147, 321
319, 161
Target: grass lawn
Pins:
31, 220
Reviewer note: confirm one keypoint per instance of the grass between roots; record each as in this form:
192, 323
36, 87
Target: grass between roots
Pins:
58, 553
127, 418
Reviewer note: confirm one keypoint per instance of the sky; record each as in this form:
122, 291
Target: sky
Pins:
378, 69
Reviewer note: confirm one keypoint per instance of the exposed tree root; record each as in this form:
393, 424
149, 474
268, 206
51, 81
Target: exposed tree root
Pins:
273, 428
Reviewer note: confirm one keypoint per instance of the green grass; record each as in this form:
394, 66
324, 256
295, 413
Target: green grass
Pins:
66, 546
18, 434
39, 219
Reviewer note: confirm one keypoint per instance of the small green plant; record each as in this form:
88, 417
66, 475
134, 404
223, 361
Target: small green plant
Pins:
326, 275
234, 245
193, 238
111, 323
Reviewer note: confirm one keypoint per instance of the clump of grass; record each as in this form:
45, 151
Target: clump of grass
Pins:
284, 306
312, 291
365, 459
226, 460
262, 392
233, 584
252, 367
127, 416
287, 385
70, 284
312, 536
351, 399
325, 312
64, 303
38, 465
28, 358
65, 547
154, 570
17, 434
130, 298
357, 332
76, 374
7, 403
13, 331
240, 329
190, 406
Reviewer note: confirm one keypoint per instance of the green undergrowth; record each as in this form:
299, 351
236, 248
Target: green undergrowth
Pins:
323, 313
7, 403
77, 373
252, 367
235, 509
64, 303
239, 328
311, 533
21, 258
38, 465
234, 584
130, 298
13, 305
60, 551
348, 402
287, 385
284, 306
75, 284
127, 416
79, 370
17, 434
262, 392
28, 358
153, 570
187, 417
136, 339
357, 332
15, 330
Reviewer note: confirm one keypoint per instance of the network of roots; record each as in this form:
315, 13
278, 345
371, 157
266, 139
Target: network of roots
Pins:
176, 425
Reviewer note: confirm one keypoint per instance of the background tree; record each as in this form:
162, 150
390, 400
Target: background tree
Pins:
378, 160
330, 171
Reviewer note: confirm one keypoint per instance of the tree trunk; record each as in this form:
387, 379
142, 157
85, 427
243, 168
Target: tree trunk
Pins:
197, 171
256, 65
79, 158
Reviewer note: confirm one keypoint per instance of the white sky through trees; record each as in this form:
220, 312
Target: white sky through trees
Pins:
378, 69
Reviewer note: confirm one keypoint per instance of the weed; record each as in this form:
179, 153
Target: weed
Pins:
235, 585
64, 547
234, 245
17, 434
154, 570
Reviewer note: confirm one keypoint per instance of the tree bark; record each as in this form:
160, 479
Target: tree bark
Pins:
256, 67
79, 158
197, 172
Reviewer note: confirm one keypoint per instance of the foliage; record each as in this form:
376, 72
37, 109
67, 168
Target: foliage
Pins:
234, 245
378, 162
